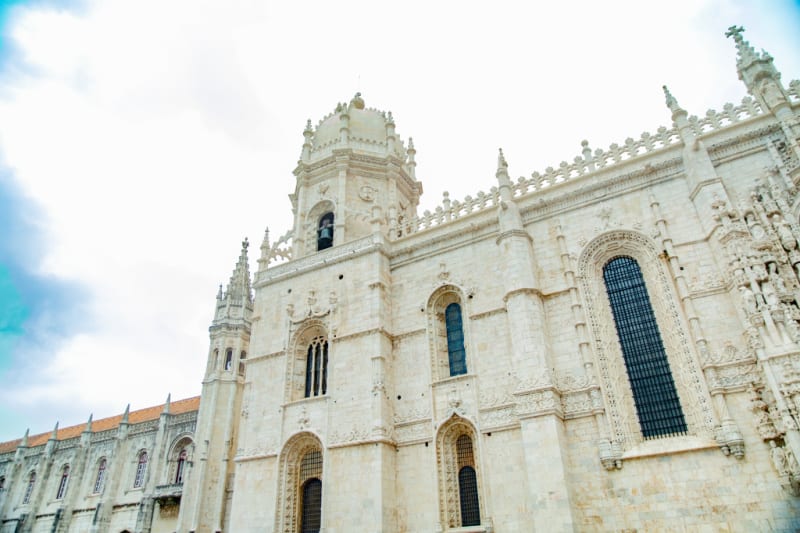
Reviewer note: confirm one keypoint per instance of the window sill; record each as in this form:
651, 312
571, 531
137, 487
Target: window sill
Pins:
453, 379
311, 399
469, 529
668, 446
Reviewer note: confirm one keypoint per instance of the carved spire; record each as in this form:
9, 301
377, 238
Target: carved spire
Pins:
679, 117
263, 260
411, 162
126, 414
746, 53
760, 76
503, 180
236, 302
24, 442
88, 428
166, 409
54, 434
308, 134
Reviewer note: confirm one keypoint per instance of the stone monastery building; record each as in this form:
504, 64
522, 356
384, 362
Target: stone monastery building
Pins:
610, 345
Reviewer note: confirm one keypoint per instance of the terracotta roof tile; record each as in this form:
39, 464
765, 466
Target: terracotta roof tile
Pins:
134, 417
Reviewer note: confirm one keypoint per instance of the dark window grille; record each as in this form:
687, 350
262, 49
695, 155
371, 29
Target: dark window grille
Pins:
456, 354
311, 465
317, 368
311, 506
467, 482
657, 404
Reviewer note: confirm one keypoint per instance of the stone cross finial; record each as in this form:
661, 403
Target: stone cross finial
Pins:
501, 160
735, 32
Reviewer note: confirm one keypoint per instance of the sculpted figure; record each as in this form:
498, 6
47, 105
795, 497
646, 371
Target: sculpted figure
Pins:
776, 279
784, 232
749, 299
779, 459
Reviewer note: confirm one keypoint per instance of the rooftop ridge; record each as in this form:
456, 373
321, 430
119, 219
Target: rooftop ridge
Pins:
104, 424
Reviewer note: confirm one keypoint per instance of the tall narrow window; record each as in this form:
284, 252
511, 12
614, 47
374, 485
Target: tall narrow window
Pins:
101, 477
2, 483
456, 354
325, 232
317, 368
467, 482
311, 492
228, 359
26, 498
62, 484
181, 466
141, 469
654, 394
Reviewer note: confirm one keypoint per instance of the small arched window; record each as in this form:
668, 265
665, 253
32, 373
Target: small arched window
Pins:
325, 232
181, 466
2, 483
26, 498
654, 394
228, 359
62, 484
101, 477
456, 355
317, 368
141, 470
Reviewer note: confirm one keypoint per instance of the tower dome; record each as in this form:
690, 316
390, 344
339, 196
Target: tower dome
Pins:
357, 127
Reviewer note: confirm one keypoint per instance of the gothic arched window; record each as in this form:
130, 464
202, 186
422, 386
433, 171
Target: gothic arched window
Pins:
101, 477
456, 355
459, 485
447, 333
299, 501
325, 231
317, 368
654, 394
228, 358
26, 498
62, 484
180, 467
141, 470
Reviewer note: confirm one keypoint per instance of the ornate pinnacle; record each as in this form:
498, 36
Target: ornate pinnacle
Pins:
501, 161
746, 52
24, 442
54, 434
166, 409
125, 414
88, 428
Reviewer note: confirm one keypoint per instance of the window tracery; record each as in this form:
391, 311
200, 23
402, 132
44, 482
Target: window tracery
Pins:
99, 480
141, 470
180, 460
308, 364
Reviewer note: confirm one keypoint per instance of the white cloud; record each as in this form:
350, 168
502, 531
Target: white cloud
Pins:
157, 134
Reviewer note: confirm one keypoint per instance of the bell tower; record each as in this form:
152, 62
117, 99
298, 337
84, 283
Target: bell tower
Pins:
355, 176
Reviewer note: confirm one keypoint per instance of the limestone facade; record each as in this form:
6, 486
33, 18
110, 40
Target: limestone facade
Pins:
468, 369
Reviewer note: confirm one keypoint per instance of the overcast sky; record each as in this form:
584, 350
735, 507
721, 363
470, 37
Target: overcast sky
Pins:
140, 142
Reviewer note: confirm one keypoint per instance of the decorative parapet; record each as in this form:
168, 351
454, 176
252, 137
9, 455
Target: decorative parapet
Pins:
714, 120
587, 163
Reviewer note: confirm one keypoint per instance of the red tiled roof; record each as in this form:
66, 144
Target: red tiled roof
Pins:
134, 417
